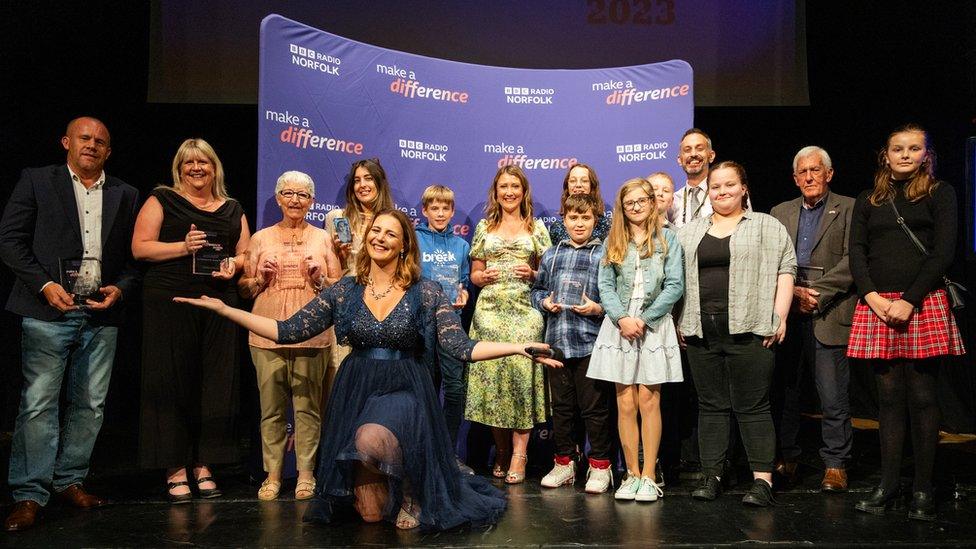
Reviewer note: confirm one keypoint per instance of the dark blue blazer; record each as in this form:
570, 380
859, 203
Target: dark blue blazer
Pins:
40, 225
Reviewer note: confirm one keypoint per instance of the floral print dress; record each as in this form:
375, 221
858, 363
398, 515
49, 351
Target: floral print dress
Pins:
508, 392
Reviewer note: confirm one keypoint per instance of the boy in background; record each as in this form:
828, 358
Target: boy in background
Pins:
444, 259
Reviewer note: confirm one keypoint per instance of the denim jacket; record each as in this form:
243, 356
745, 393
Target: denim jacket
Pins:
664, 281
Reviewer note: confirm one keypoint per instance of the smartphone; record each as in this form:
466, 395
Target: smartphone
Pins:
342, 229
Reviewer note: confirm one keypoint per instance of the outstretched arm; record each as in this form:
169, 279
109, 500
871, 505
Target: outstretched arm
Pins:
262, 326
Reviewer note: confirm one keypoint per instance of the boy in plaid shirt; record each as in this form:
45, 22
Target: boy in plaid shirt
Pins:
566, 293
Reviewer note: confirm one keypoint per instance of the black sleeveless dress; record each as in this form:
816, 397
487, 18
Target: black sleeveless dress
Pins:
190, 380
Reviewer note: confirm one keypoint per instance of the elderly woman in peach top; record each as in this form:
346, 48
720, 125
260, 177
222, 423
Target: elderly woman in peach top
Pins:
287, 264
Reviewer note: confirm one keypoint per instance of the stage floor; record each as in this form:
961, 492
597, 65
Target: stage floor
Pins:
536, 516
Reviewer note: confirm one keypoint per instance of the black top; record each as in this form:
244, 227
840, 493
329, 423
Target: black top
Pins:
178, 214
713, 274
883, 258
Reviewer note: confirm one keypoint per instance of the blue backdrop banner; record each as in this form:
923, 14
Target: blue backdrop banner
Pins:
325, 102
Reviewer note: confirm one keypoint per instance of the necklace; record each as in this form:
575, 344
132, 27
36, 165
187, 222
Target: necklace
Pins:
372, 291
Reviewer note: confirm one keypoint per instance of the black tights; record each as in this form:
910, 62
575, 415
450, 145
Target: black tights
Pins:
907, 385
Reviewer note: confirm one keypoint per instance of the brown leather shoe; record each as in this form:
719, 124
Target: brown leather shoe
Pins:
786, 471
76, 496
22, 516
835, 480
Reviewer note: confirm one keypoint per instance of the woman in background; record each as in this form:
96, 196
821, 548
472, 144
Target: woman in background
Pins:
286, 266
367, 192
580, 179
508, 394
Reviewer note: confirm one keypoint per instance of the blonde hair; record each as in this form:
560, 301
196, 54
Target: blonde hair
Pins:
437, 192
922, 183
493, 210
662, 175
408, 264
196, 145
620, 236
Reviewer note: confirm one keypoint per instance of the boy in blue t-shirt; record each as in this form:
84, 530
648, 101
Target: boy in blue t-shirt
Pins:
444, 259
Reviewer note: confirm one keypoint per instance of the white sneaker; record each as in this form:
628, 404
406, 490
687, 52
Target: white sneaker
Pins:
598, 481
648, 490
560, 475
628, 488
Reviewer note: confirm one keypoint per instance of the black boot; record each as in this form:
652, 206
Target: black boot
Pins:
923, 506
709, 489
760, 495
880, 500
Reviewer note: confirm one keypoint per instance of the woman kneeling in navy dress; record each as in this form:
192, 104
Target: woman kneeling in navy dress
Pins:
385, 449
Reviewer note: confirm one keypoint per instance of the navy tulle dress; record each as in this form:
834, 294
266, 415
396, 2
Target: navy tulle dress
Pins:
384, 411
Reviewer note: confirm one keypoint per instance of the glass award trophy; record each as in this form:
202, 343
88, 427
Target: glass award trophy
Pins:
449, 279
290, 266
806, 275
342, 229
81, 278
569, 291
211, 257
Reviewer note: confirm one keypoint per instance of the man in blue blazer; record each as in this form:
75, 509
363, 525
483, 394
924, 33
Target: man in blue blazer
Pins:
65, 218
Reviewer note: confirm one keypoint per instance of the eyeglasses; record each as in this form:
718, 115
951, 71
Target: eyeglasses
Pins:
642, 202
288, 194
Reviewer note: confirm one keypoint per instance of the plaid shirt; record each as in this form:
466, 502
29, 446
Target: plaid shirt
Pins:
573, 333
761, 251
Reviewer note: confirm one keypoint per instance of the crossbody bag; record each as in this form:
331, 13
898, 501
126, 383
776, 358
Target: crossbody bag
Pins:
954, 290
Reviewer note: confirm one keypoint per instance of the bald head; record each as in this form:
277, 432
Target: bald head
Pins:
88, 144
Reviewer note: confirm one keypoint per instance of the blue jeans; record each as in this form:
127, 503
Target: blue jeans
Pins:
800, 353
455, 390
39, 457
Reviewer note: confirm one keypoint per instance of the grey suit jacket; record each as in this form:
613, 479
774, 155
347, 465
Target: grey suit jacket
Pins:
832, 321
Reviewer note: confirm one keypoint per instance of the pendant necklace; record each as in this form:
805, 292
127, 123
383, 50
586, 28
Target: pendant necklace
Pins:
381, 295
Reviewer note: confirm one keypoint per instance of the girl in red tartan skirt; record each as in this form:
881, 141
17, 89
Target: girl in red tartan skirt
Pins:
902, 324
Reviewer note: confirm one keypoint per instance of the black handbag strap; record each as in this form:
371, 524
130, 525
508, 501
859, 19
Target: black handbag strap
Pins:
904, 226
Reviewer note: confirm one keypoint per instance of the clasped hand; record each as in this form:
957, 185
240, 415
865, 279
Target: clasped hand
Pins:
894, 312
631, 328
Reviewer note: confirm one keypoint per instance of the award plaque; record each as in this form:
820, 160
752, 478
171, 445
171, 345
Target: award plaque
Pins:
81, 278
806, 275
291, 263
211, 257
569, 292
342, 229
447, 276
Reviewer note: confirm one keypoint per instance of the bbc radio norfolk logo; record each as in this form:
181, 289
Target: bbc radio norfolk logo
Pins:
420, 150
314, 60
529, 96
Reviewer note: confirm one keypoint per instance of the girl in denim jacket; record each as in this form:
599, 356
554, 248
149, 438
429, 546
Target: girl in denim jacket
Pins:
641, 277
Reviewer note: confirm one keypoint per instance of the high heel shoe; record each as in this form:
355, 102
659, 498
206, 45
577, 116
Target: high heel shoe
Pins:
514, 477
881, 500
498, 471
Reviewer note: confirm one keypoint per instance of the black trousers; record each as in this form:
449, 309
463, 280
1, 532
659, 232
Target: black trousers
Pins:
575, 395
733, 375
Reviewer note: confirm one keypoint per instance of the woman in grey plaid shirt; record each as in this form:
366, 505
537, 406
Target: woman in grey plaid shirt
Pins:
739, 269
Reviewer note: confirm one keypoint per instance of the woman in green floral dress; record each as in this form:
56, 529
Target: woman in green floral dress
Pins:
507, 394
